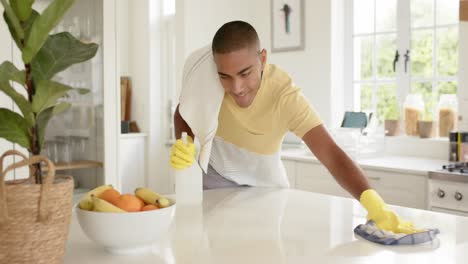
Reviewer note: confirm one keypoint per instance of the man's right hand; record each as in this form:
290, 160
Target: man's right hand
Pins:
182, 154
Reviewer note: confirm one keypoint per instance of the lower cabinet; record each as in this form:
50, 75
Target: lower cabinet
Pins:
400, 189
314, 177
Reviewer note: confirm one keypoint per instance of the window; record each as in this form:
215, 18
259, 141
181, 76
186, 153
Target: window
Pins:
402, 47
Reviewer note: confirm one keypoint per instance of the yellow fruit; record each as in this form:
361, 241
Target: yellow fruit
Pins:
129, 203
86, 203
151, 197
110, 195
101, 205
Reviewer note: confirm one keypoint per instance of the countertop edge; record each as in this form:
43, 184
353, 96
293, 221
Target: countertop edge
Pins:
311, 159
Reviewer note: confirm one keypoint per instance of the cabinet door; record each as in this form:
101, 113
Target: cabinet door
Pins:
399, 188
315, 177
290, 167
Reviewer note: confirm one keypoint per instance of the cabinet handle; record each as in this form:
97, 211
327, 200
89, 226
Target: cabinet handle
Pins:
374, 178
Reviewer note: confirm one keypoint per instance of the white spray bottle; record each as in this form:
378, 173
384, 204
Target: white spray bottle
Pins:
189, 182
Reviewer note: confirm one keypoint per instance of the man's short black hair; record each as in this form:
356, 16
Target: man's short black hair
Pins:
233, 36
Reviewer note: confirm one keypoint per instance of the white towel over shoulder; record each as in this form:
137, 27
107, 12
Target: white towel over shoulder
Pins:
200, 100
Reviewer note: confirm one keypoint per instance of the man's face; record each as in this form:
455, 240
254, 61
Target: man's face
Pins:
240, 73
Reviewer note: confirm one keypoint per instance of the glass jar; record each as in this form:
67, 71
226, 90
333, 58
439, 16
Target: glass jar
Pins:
414, 107
448, 114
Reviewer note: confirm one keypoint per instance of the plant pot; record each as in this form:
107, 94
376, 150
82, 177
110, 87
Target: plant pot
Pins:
426, 129
34, 218
392, 128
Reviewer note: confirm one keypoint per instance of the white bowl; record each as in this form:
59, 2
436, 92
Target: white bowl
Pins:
126, 233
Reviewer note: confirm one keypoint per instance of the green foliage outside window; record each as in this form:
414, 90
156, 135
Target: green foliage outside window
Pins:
421, 67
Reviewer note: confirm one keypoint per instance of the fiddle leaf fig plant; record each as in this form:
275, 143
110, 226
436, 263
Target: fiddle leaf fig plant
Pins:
44, 55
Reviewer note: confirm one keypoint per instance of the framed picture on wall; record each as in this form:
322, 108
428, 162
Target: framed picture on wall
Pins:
287, 25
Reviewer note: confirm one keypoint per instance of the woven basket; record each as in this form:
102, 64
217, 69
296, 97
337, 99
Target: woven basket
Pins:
34, 218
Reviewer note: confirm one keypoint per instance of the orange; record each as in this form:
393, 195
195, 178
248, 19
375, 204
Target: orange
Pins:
149, 207
110, 195
129, 203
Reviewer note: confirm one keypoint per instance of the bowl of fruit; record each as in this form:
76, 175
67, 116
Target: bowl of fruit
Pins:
125, 223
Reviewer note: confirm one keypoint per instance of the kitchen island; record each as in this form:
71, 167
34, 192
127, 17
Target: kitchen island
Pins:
258, 225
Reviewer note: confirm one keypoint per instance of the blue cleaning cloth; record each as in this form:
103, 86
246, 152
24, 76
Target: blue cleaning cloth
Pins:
369, 231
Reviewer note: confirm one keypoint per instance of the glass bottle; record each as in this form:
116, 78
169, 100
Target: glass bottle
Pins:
448, 114
414, 107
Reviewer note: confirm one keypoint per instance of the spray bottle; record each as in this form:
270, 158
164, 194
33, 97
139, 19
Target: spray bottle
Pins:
189, 182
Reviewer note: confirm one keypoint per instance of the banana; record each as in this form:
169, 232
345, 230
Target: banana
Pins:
151, 197
86, 203
101, 205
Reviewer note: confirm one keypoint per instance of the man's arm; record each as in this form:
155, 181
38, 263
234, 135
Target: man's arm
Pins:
344, 170
180, 125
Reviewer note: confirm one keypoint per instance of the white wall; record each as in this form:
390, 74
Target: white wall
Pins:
5, 101
310, 69
463, 75
139, 44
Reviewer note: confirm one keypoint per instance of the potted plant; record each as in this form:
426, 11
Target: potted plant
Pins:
41, 202
392, 118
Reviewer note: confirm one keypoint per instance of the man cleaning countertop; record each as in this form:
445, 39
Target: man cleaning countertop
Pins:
240, 108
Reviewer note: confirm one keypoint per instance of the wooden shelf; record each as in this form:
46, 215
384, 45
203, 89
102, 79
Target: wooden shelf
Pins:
77, 164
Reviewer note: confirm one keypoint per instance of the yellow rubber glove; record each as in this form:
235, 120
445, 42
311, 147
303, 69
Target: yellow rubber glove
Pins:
383, 217
182, 154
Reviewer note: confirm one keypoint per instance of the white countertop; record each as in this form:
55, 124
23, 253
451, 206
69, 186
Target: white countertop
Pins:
253, 225
392, 163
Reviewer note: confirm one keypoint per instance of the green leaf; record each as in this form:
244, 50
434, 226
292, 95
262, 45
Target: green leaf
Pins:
42, 120
26, 27
14, 128
61, 107
22, 8
42, 26
60, 52
47, 94
23, 104
8, 72
13, 32
44, 117
81, 90
13, 20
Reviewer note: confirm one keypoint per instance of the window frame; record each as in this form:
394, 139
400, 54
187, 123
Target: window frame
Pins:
403, 80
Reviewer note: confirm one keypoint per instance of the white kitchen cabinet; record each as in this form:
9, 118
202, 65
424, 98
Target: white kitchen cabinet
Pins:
396, 188
290, 167
315, 177
399, 188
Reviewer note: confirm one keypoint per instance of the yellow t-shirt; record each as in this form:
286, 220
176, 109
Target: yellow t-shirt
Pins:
279, 106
